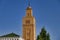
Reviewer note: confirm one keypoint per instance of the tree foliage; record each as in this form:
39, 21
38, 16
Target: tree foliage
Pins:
43, 35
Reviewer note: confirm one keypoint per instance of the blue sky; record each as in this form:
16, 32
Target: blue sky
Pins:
46, 13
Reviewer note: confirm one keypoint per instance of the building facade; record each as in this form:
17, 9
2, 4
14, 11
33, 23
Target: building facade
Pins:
28, 25
11, 36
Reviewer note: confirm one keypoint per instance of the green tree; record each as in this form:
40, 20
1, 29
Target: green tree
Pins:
48, 36
38, 37
43, 35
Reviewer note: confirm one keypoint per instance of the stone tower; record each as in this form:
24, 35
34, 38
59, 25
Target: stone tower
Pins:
28, 25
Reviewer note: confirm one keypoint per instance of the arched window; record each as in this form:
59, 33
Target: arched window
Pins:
17, 39
27, 21
28, 14
28, 39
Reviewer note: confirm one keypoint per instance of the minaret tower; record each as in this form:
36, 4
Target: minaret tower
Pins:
28, 25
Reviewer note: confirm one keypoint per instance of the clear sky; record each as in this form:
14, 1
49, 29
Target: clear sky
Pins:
46, 12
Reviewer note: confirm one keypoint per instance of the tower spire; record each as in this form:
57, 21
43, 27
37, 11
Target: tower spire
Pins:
28, 3
28, 9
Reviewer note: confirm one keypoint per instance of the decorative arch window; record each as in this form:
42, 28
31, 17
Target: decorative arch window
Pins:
27, 21
28, 39
28, 14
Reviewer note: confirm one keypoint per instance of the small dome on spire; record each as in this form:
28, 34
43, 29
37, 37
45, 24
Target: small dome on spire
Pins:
29, 7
